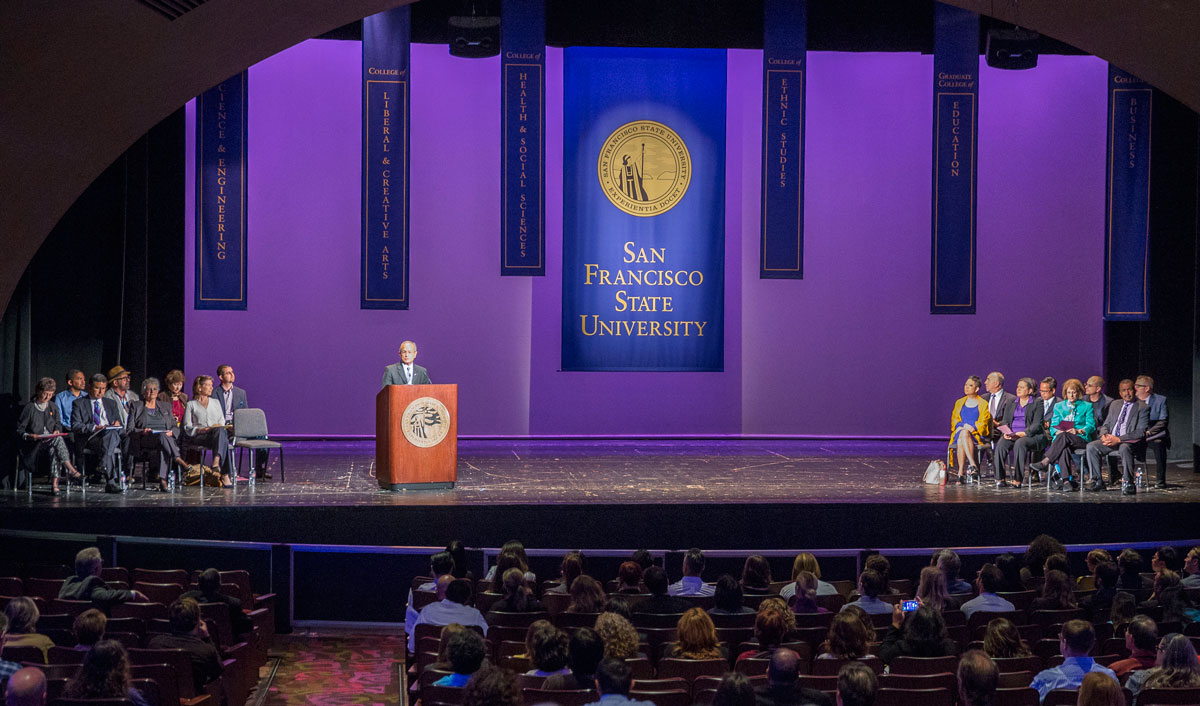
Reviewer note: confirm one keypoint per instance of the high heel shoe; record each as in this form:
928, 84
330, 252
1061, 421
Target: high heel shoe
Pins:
225, 481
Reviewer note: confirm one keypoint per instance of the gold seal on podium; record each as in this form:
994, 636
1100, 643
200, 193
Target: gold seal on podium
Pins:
426, 422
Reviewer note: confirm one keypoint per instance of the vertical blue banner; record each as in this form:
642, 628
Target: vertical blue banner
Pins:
1127, 216
523, 122
221, 195
955, 130
385, 160
643, 209
785, 43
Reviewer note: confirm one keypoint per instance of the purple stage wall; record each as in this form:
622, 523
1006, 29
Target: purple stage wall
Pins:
849, 351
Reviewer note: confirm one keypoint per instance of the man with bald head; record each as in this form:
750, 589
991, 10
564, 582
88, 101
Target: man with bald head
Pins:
1093, 391
406, 372
27, 687
783, 688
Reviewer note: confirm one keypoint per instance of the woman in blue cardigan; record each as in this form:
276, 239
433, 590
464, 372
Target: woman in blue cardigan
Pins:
1071, 428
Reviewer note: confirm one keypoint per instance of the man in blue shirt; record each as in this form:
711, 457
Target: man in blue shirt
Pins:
870, 585
989, 581
614, 678
451, 609
65, 399
691, 584
1076, 642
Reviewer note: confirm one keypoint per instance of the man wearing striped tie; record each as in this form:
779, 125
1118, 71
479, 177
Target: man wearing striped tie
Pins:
406, 372
96, 426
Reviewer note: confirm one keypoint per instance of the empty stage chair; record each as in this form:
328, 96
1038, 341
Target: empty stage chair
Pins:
250, 432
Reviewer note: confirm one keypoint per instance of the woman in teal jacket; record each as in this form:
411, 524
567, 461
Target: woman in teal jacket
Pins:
1072, 427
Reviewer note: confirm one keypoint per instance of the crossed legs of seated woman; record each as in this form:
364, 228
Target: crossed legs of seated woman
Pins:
969, 422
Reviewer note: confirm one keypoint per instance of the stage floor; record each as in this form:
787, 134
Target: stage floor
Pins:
600, 493
640, 472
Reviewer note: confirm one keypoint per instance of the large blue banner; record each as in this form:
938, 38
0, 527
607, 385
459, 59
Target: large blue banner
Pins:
643, 209
385, 160
523, 122
1127, 218
221, 120
785, 43
955, 128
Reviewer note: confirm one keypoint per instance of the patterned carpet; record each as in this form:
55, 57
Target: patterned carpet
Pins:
334, 669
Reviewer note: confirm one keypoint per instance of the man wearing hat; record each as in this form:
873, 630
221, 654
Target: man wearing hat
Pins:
119, 380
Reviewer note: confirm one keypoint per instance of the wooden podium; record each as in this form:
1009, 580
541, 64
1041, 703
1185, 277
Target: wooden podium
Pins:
416, 437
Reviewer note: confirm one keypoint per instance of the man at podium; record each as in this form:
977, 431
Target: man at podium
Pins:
406, 372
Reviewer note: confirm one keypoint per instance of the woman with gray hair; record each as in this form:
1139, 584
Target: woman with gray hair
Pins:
153, 426
22, 614
40, 429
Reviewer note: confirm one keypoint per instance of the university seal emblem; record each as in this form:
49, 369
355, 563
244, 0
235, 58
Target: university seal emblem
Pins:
644, 168
426, 422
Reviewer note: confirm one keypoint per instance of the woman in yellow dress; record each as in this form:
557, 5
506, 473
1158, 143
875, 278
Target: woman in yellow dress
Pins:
970, 422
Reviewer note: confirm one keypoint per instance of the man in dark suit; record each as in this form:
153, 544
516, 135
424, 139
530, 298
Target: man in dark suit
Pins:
783, 687
190, 634
208, 590
406, 372
1123, 429
659, 601
86, 584
232, 398
96, 426
1035, 438
1093, 391
1158, 437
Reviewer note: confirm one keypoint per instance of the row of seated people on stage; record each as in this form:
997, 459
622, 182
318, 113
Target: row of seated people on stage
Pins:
102, 415
1042, 432
1040, 583
100, 654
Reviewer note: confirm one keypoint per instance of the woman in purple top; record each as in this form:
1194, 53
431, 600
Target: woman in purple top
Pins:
1018, 430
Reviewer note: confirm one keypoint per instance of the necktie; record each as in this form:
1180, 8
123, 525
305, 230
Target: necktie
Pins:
1120, 428
995, 403
96, 412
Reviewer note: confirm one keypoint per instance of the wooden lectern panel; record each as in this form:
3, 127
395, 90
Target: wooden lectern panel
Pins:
401, 464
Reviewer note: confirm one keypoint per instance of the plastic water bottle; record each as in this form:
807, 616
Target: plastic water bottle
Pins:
252, 474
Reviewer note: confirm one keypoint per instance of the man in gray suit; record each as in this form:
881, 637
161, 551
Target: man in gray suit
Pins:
1124, 427
406, 372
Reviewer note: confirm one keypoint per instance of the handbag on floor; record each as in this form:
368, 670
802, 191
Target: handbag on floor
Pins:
192, 476
935, 473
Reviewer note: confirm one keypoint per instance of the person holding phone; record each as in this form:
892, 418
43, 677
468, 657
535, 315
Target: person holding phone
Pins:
917, 631
204, 425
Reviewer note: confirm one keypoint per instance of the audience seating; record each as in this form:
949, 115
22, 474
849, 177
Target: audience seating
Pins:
826, 683
705, 602
574, 697
983, 617
529, 681
11, 586
914, 697
1054, 617
60, 654
677, 697
71, 608
145, 611
642, 621
832, 603
661, 684
808, 620
1013, 680
150, 691
833, 666
30, 654
556, 603
164, 676
45, 588
1033, 663
90, 702
449, 695
176, 576
923, 665
689, 669
945, 680
165, 593
575, 620
1062, 697
640, 667
1153, 697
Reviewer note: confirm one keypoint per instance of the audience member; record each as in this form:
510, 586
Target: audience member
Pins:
970, 423
642, 558
466, 653
1034, 572
518, 598
804, 600
614, 678
1124, 606
857, 685
452, 608
40, 421
1058, 562
26, 687
1141, 640
870, 585
105, 675
619, 635
756, 575
1026, 424
697, 637
584, 652
734, 690
1175, 668
629, 578
932, 590
510, 559
805, 561
189, 633
442, 663
1158, 435
727, 597
771, 627
208, 590
96, 426
1075, 643
1191, 569
783, 684
1095, 558
153, 425
1001, 640
587, 595
865, 619
1098, 689
458, 551
978, 678
988, 582
86, 584
1166, 558
620, 606
659, 601
204, 425
1072, 427
492, 686
513, 546
440, 564
1058, 593
570, 569
847, 639
1170, 597
1010, 573
920, 633
174, 395
951, 565
89, 629
1098, 605
692, 583
7, 668
1122, 430
1129, 561
76, 384
22, 614
546, 647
